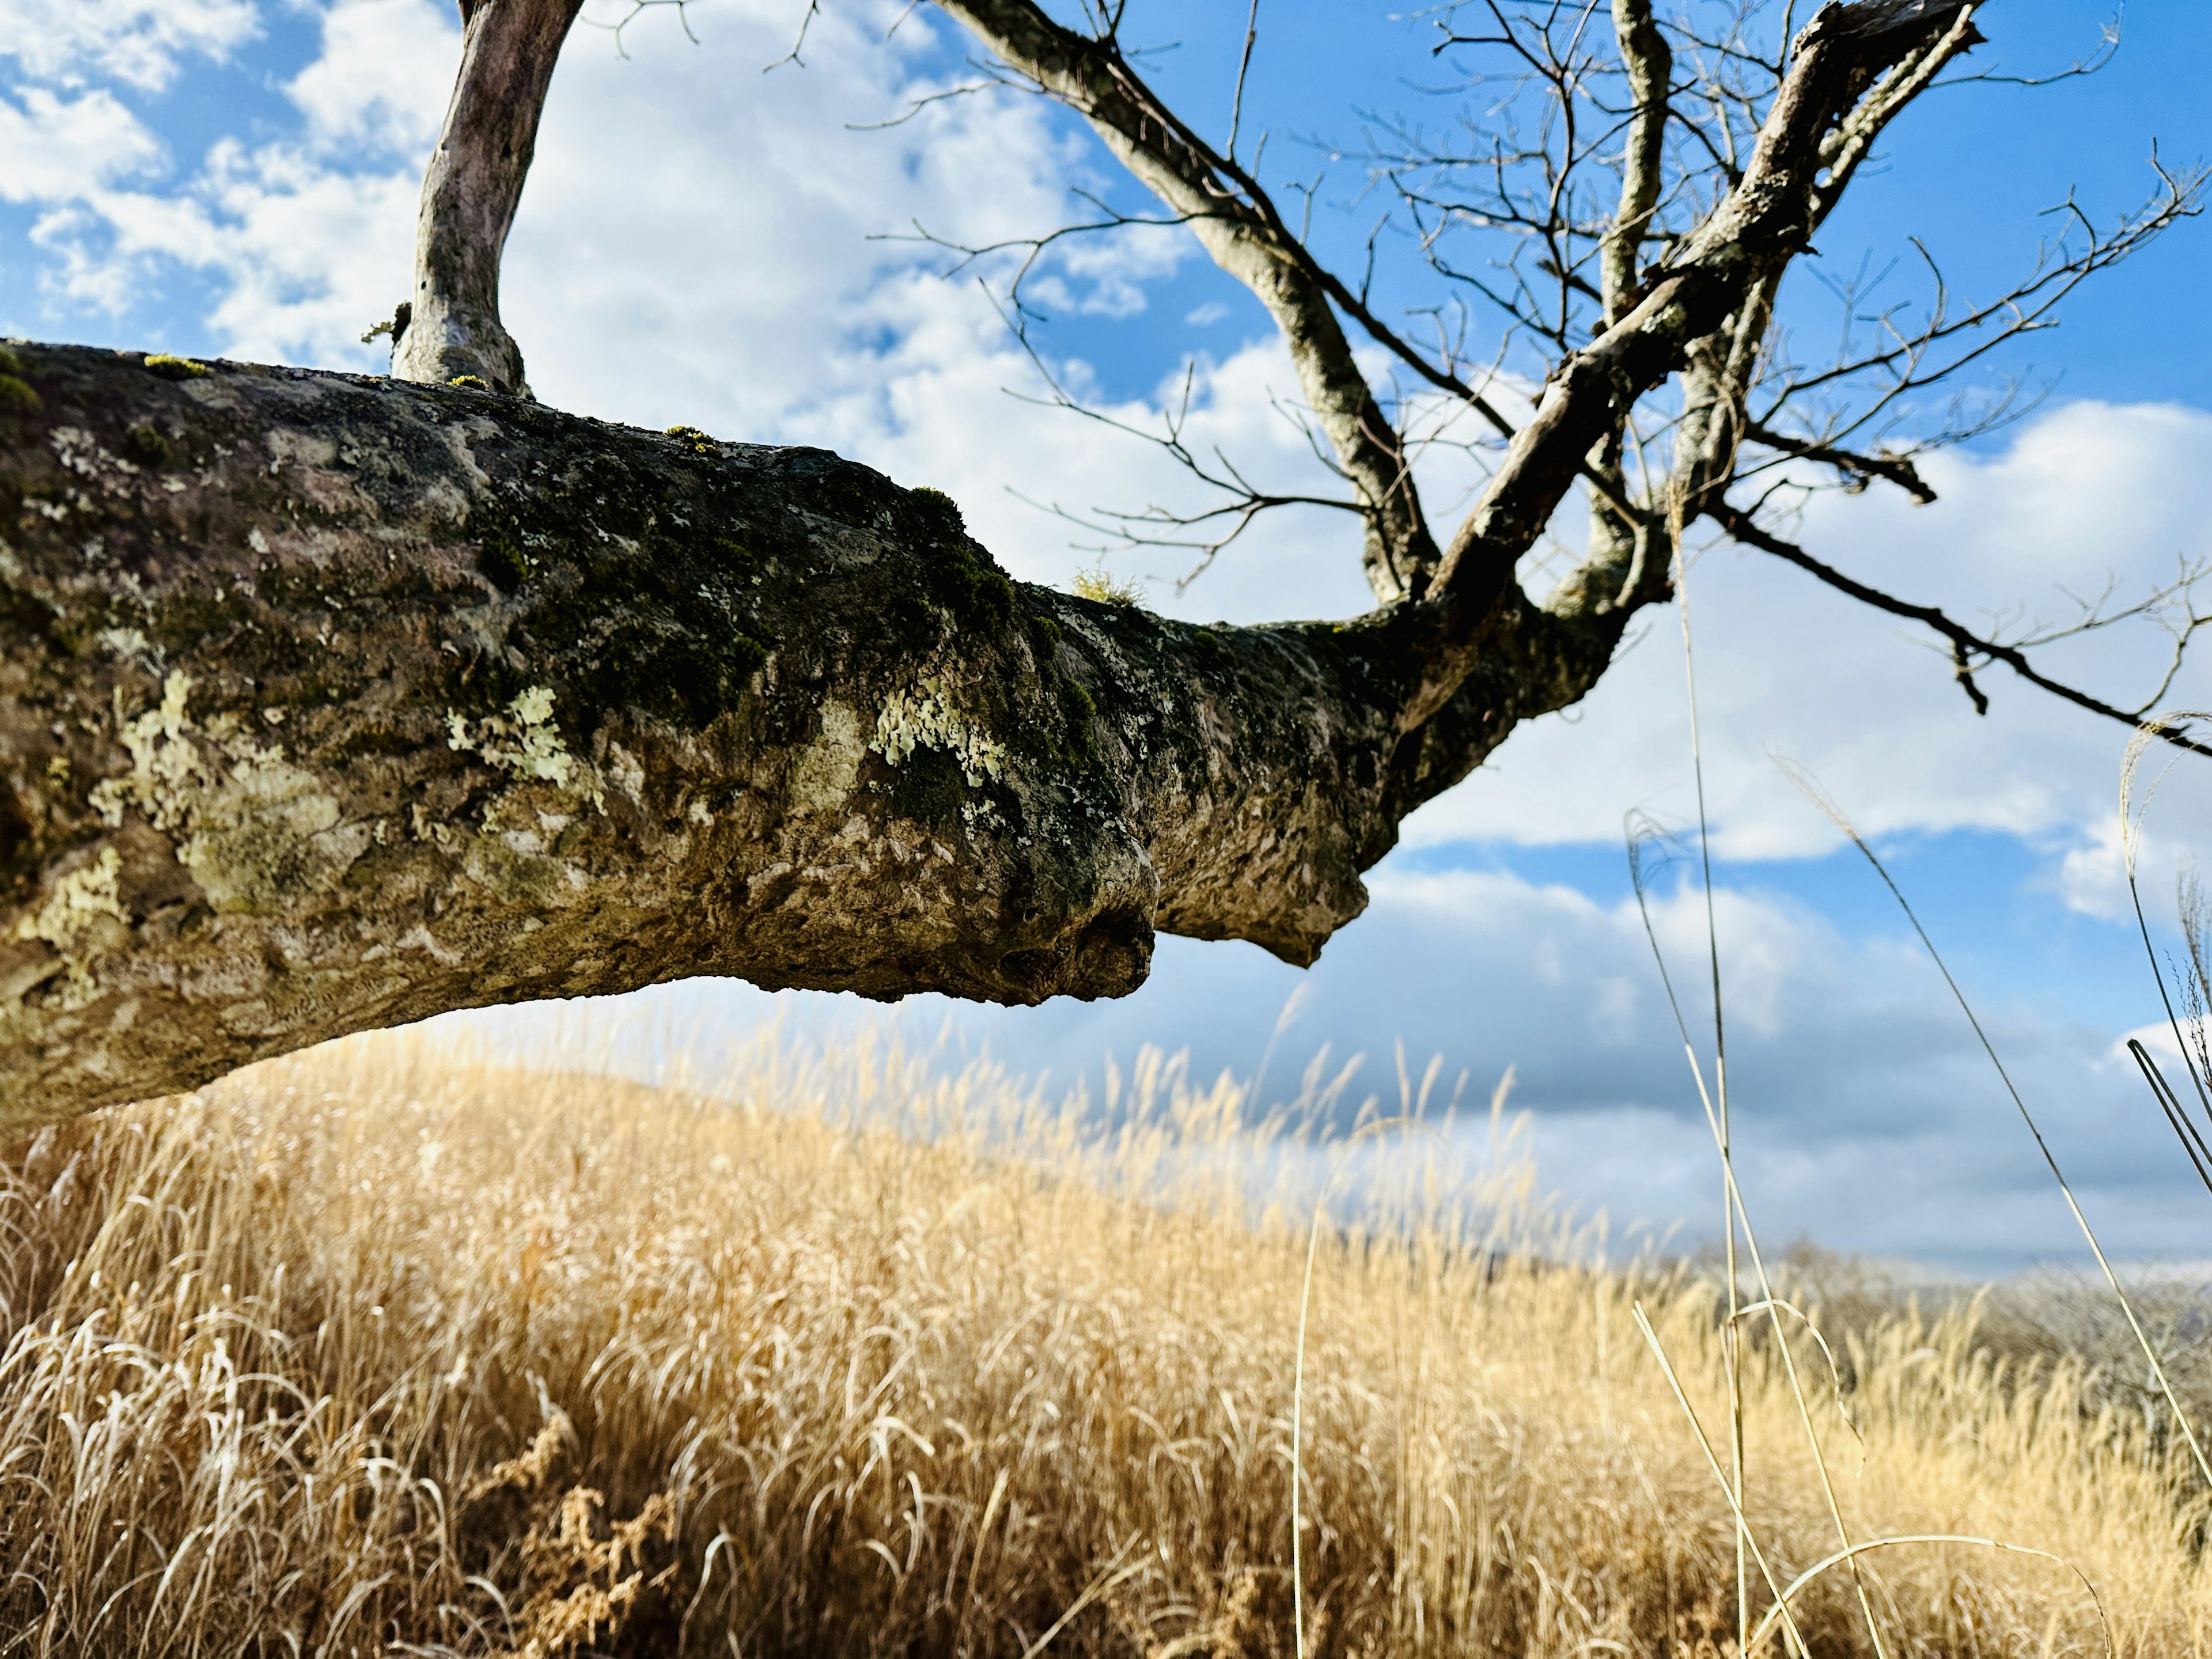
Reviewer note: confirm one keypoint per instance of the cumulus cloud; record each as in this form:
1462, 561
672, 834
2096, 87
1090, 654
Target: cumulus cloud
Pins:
54, 147
307, 237
2093, 875
141, 43
379, 86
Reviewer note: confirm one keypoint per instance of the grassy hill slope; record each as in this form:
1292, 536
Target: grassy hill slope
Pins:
378, 1350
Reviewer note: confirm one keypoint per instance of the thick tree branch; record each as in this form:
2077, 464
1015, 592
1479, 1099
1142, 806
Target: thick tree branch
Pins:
451, 327
1650, 66
329, 702
1909, 74
1617, 560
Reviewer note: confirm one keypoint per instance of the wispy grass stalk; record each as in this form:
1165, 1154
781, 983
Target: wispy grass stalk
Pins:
1641, 832
1813, 792
1733, 1336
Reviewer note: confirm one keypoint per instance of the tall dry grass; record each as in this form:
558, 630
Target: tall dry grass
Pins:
378, 1350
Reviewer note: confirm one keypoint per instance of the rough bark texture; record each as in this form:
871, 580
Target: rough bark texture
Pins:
471, 190
329, 702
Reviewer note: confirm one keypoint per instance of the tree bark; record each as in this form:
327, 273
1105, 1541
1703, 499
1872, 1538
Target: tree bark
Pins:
329, 702
452, 326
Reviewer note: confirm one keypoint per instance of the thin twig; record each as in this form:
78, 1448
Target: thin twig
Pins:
1243, 65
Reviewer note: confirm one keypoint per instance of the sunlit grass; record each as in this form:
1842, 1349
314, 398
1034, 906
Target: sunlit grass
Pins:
382, 1349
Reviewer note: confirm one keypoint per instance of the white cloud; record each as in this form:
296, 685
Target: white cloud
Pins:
681, 247
2093, 877
54, 148
310, 237
382, 80
2158, 1036
138, 42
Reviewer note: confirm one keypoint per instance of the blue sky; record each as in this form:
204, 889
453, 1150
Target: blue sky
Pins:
701, 243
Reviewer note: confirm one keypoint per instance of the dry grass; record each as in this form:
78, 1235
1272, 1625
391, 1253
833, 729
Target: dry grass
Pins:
380, 1351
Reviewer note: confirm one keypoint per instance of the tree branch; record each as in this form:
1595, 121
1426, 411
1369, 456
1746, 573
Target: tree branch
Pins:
329, 702
452, 326
1966, 644
1717, 288
1858, 468
1650, 66
1247, 238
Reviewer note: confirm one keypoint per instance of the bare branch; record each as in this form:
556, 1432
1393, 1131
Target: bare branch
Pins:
620, 27
915, 106
1858, 470
471, 192
1244, 68
1966, 644
1241, 229
2108, 47
1843, 150
798, 44
1152, 526
1727, 269
1650, 66
1915, 357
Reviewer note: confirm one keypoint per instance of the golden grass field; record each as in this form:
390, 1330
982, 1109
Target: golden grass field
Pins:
383, 1349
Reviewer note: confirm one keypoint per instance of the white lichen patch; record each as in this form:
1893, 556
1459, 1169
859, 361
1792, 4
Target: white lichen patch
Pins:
258, 830
625, 770
166, 765
925, 716
127, 642
827, 769
70, 917
972, 814
523, 741
79, 451
288, 444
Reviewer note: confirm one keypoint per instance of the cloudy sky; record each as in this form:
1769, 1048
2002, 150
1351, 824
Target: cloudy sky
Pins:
708, 243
